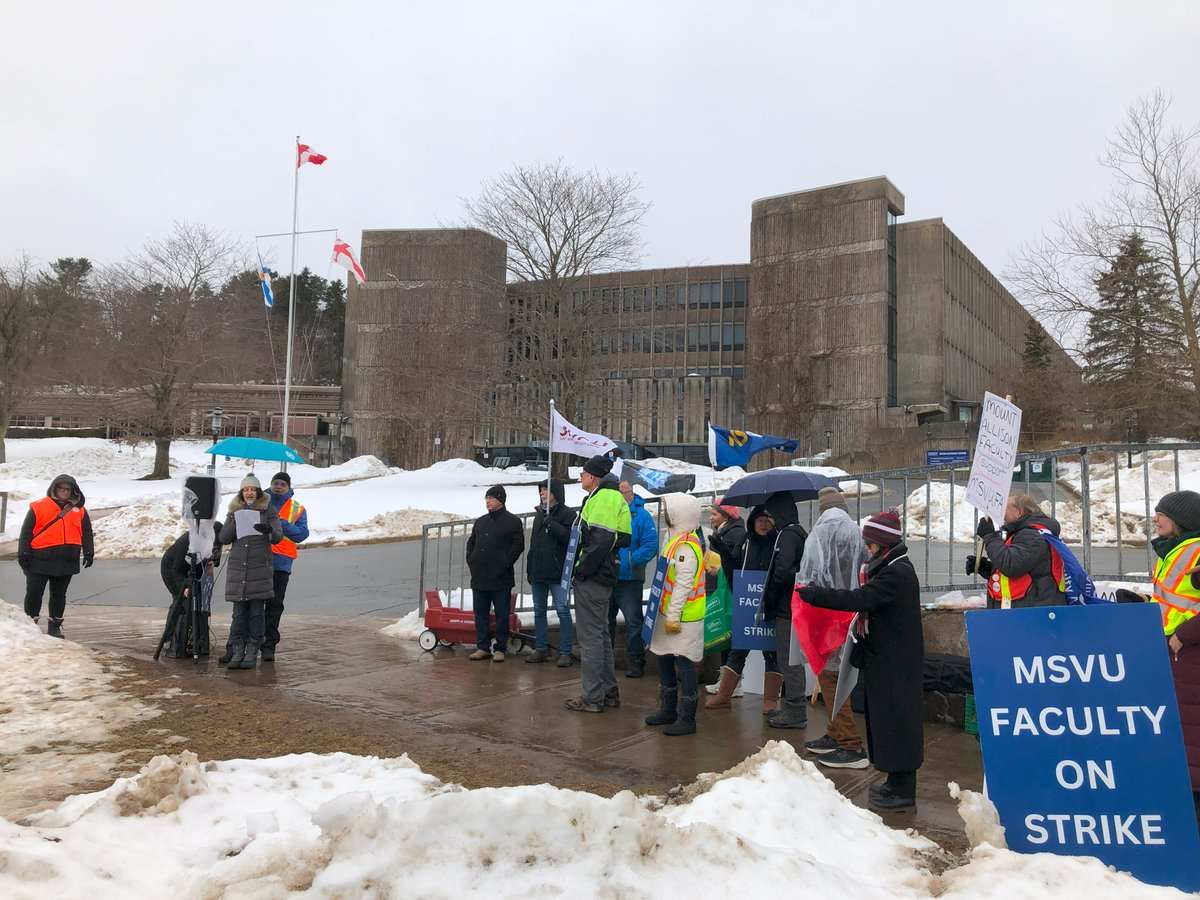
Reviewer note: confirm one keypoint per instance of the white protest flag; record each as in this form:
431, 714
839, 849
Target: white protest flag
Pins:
566, 438
995, 455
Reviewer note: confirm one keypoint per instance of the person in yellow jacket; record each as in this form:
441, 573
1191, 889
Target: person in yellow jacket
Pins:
678, 638
56, 531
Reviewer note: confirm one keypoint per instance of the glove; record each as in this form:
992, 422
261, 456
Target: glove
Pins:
1127, 596
216, 561
672, 627
985, 527
985, 567
88, 559
24, 560
262, 528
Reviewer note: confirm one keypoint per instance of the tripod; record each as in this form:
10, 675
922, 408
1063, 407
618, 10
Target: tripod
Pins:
187, 620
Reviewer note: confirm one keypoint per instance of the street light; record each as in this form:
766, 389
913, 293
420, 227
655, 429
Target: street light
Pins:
218, 419
828, 443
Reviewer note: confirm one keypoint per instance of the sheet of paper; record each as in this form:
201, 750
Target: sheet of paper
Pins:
246, 519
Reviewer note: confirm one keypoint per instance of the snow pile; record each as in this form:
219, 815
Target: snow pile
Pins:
142, 530
57, 700
980, 818
345, 826
407, 628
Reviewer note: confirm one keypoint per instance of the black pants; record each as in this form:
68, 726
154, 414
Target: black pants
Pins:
35, 587
275, 610
484, 602
904, 784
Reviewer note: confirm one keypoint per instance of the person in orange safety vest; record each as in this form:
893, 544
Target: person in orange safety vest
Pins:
294, 520
1021, 568
56, 532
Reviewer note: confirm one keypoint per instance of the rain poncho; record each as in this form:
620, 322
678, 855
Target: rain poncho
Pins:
833, 553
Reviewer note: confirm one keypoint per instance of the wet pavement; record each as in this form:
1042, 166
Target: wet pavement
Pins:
514, 710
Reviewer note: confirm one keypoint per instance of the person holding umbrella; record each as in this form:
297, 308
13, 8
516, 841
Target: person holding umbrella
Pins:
890, 651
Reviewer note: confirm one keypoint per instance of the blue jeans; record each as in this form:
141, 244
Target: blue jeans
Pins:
627, 597
678, 672
542, 590
484, 602
249, 619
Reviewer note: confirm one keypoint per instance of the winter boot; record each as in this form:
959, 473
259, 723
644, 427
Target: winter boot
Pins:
250, 657
668, 699
225, 657
725, 688
686, 723
54, 627
237, 652
772, 683
268, 654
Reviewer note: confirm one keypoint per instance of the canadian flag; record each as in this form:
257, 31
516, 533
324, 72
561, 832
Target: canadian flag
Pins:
343, 257
305, 153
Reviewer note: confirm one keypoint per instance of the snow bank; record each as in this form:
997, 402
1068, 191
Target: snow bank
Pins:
346, 826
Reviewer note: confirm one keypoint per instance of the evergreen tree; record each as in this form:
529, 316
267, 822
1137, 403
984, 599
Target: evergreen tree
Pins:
1133, 352
1039, 387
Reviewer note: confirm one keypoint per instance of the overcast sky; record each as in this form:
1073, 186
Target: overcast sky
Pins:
122, 117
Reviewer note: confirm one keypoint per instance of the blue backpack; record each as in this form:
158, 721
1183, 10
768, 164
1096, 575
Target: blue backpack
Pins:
1077, 584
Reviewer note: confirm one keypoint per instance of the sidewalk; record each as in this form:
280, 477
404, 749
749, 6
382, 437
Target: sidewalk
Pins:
507, 717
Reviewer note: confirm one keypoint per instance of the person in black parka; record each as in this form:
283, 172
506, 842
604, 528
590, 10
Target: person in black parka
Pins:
249, 575
496, 543
890, 652
1020, 566
548, 540
777, 608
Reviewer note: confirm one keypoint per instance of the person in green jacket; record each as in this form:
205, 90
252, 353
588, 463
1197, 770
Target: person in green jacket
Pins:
604, 529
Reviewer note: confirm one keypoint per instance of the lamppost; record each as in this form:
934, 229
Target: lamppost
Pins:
828, 443
218, 419
1129, 440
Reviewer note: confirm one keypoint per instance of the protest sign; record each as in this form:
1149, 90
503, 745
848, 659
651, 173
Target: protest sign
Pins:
655, 598
750, 631
995, 455
1082, 745
569, 563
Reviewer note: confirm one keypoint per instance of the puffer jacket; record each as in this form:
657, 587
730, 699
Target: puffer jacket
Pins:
643, 543
789, 549
683, 516
1026, 554
549, 537
249, 573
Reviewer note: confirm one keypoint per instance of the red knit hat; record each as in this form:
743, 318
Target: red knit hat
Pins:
884, 528
728, 510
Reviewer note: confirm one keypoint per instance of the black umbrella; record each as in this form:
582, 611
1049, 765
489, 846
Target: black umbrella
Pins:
751, 490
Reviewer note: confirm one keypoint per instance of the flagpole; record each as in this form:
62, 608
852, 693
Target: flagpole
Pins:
550, 456
287, 369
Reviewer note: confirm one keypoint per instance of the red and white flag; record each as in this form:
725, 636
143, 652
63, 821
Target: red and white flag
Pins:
343, 257
306, 154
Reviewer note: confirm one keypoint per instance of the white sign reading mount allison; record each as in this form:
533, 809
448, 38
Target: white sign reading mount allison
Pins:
995, 456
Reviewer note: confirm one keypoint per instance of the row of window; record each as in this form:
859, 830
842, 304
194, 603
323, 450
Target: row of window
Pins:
675, 338
44, 422
729, 294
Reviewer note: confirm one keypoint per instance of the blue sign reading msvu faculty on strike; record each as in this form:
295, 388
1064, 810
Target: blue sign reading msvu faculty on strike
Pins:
750, 630
1082, 745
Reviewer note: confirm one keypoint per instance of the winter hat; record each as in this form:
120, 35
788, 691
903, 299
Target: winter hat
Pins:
598, 466
831, 498
1182, 508
728, 510
250, 481
497, 491
282, 476
883, 529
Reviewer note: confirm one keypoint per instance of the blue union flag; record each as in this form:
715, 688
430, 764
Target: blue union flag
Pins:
656, 481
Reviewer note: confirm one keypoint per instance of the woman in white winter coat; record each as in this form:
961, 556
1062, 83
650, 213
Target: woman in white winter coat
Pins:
678, 639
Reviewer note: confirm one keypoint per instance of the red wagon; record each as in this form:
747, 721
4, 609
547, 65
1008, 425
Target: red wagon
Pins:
447, 625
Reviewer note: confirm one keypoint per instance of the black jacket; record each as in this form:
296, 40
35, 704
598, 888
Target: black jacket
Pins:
496, 543
175, 567
549, 538
61, 559
894, 654
729, 543
1026, 554
789, 549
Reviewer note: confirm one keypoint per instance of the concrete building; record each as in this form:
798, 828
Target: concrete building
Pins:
847, 329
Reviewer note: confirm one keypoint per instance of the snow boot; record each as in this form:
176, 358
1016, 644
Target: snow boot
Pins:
668, 699
250, 657
225, 657
772, 684
686, 722
54, 627
237, 651
725, 688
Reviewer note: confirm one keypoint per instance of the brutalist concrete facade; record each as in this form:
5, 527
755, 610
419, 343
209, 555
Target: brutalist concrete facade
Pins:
423, 336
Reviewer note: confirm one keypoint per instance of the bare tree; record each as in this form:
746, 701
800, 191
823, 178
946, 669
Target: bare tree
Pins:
560, 226
169, 326
1155, 192
35, 321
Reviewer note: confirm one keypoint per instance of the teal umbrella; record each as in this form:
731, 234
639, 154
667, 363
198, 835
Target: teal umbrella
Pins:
255, 448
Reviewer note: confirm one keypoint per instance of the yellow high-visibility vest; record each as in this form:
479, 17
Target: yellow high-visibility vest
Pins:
1173, 589
694, 605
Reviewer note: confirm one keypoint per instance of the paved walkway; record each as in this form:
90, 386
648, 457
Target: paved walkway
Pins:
513, 708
